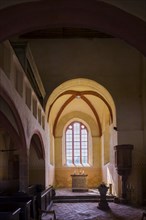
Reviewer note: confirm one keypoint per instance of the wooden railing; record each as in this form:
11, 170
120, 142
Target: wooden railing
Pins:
9, 206
32, 204
43, 199
9, 213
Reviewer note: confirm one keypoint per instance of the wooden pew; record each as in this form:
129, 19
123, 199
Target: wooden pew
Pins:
36, 201
22, 203
45, 202
24, 197
9, 212
44, 198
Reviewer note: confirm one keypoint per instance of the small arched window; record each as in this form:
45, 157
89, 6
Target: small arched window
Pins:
76, 144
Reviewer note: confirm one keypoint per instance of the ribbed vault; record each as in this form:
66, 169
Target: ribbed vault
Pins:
84, 96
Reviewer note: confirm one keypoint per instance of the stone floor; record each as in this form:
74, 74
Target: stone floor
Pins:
68, 192
89, 211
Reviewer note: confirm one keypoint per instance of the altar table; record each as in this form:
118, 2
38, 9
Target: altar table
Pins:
79, 183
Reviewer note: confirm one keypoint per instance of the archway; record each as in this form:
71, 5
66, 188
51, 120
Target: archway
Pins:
85, 101
94, 15
13, 147
36, 161
9, 158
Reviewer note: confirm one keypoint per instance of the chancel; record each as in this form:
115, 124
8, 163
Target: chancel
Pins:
72, 109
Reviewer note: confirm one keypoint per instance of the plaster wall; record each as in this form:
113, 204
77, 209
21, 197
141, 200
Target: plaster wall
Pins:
62, 172
36, 168
112, 63
118, 67
30, 124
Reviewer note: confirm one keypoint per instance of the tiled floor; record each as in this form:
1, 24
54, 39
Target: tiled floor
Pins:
90, 211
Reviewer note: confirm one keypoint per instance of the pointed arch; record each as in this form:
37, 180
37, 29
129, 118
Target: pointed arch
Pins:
74, 94
89, 87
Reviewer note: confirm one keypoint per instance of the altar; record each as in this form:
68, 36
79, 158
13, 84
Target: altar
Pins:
79, 183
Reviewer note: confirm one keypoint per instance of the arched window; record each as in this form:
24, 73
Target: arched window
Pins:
76, 144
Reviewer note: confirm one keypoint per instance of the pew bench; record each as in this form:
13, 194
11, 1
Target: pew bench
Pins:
9, 212
24, 205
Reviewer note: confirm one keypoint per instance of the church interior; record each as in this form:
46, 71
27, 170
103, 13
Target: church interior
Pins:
72, 103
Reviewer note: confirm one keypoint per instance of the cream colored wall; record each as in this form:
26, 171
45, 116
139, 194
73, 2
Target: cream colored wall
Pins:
62, 172
132, 127
121, 70
110, 176
30, 122
108, 140
52, 148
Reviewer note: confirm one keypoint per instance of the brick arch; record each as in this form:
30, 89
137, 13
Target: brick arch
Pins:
96, 15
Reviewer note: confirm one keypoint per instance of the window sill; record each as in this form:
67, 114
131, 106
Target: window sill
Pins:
78, 166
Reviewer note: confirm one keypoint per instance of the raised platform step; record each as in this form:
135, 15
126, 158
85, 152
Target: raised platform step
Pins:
75, 200
67, 196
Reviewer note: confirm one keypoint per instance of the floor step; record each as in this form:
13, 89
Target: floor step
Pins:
77, 201
67, 196
73, 199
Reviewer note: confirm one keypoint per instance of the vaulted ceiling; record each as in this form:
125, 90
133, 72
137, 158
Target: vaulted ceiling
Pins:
63, 34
